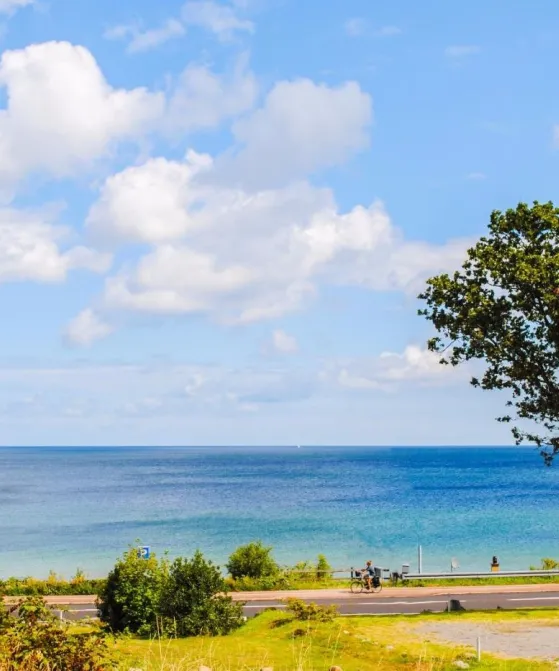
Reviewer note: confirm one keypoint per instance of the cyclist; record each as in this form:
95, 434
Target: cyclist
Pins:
369, 572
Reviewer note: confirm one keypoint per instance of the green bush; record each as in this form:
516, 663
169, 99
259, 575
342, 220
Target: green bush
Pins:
548, 564
37, 639
192, 600
129, 599
252, 561
311, 611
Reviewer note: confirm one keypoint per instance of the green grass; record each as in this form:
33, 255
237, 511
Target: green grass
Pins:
461, 582
356, 644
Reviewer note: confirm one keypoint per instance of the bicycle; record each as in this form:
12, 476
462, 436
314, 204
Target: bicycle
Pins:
360, 584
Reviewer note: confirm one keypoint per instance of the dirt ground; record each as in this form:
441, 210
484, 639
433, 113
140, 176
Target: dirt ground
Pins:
527, 640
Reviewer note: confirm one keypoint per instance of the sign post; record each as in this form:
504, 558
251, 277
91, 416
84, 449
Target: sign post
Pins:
144, 552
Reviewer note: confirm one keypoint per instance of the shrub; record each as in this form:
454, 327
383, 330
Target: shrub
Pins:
303, 571
192, 602
252, 561
129, 600
266, 584
548, 564
323, 568
37, 639
311, 611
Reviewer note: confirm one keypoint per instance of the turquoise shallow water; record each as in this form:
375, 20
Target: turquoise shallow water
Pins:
64, 508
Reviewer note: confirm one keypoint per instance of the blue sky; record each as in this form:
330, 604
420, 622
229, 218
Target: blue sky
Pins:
216, 216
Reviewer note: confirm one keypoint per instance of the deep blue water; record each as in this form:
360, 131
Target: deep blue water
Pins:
63, 508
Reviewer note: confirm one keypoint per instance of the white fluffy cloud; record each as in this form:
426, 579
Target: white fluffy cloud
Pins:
32, 248
62, 113
283, 342
237, 238
246, 256
176, 280
415, 365
86, 328
148, 203
301, 128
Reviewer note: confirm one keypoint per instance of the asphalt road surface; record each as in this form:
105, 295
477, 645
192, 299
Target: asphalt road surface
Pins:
376, 604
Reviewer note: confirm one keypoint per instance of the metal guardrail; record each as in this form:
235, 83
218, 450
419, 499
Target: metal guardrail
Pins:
455, 575
327, 572
491, 574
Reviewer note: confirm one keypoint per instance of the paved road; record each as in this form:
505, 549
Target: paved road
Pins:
377, 604
388, 602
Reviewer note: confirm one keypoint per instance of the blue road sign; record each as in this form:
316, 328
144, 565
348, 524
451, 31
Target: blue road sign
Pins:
143, 552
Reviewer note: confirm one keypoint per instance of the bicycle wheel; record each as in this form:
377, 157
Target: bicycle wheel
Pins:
356, 586
377, 588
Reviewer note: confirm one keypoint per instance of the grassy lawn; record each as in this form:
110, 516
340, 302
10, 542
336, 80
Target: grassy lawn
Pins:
355, 644
344, 583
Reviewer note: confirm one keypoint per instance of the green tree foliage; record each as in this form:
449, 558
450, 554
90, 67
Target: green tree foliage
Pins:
323, 568
502, 307
253, 560
129, 599
37, 639
185, 598
193, 602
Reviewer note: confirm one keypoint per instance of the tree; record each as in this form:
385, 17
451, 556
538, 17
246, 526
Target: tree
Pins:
129, 600
252, 561
502, 308
193, 602
323, 568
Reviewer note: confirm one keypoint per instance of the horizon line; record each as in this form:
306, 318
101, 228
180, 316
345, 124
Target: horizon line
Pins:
268, 446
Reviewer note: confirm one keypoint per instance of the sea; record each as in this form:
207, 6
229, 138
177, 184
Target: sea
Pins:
68, 508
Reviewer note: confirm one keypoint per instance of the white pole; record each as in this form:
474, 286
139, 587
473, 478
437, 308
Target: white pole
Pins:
419, 559
478, 648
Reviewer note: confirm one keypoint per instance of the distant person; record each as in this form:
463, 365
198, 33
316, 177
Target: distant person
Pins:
494, 564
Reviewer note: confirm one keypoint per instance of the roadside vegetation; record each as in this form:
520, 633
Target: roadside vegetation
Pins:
163, 615
54, 585
305, 637
37, 640
252, 567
